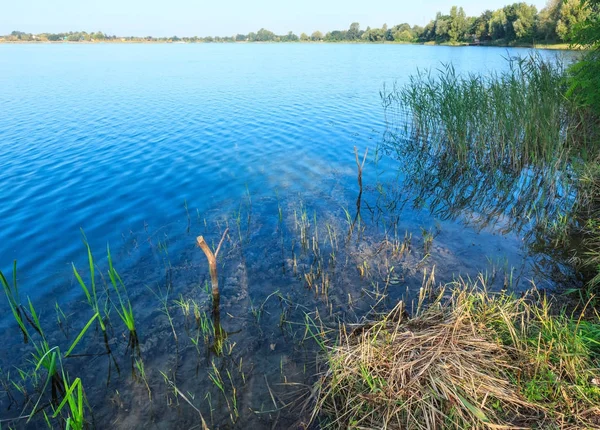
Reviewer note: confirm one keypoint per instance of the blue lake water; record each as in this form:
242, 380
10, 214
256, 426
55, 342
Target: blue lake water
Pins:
117, 139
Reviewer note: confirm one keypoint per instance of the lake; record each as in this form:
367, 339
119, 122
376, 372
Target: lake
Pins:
147, 146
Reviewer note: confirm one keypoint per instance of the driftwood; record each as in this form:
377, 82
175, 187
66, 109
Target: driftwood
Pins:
220, 334
212, 261
360, 167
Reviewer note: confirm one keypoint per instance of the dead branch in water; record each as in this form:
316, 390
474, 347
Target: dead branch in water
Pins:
360, 166
212, 261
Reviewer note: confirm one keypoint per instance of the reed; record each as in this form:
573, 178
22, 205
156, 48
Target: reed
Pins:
510, 146
124, 308
507, 120
90, 292
73, 399
12, 294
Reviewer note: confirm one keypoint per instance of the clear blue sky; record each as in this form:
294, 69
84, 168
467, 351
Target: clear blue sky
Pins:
221, 17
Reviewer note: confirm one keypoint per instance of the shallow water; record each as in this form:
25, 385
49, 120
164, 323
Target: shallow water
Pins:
148, 146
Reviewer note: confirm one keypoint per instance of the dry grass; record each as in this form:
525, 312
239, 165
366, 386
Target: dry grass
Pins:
470, 359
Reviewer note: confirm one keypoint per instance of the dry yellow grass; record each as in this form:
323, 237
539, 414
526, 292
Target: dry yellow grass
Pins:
470, 359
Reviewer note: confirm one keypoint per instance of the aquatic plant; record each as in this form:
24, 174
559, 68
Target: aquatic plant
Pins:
12, 294
91, 293
75, 402
509, 149
507, 120
124, 308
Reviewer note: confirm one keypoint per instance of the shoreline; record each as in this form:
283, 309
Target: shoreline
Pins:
552, 46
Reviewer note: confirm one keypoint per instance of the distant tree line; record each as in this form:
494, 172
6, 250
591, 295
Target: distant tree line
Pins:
515, 23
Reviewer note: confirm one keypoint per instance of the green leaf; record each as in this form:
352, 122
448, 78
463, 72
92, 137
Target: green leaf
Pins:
474, 409
78, 338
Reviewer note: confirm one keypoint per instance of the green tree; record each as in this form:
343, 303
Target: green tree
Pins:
571, 13
442, 27
497, 24
547, 17
264, 35
353, 32
304, 37
458, 24
525, 21
480, 27
290, 37
404, 36
584, 76
316, 36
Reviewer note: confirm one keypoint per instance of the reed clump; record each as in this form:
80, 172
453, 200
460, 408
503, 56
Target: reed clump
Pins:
505, 120
510, 146
469, 359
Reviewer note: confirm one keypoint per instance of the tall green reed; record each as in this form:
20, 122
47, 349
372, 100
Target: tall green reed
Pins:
90, 292
12, 294
123, 308
513, 119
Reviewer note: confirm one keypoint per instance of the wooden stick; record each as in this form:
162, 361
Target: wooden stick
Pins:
212, 261
360, 166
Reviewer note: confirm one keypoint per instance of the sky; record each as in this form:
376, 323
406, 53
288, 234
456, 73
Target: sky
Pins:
222, 18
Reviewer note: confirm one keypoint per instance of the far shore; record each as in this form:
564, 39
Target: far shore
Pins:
554, 46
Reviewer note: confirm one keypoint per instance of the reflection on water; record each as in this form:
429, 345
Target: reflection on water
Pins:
509, 200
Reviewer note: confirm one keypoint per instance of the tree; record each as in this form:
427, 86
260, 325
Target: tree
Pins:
304, 37
480, 26
428, 32
442, 27
403, 36
353, 32
546, 26
316, 36
458, 24
374, 35
336, 36
571, 13
290, 37
584, 76
497, 24
264, 35
525, 20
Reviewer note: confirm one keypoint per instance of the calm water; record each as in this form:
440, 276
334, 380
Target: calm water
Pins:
117, 139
